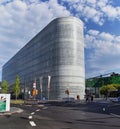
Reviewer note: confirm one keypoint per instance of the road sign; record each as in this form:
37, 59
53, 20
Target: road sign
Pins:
34, 85
4, 102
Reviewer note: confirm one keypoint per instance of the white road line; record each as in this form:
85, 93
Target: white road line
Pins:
30, 117
28, 105
32, 123
83, 113
103, 109
45, 108
37, 110
115, 115
32, 113
40, 106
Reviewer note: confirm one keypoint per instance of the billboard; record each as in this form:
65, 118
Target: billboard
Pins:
4, 102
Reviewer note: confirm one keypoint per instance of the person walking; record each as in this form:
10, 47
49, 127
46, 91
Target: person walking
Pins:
91, 96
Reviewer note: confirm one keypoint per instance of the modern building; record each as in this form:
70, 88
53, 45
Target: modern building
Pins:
53, 59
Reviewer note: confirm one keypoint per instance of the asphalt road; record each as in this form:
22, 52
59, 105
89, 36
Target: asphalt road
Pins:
65, 116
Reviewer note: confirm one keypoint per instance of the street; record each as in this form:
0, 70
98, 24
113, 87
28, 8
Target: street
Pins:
65, 116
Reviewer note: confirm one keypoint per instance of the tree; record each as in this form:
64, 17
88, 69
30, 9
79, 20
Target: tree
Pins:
115, 79
104, 90
4, 86
16, 88
117, 86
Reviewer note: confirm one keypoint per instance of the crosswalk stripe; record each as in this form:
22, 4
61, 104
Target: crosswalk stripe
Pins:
115, 115
32, 113
32, 123
37, 110
30, 117
45, 107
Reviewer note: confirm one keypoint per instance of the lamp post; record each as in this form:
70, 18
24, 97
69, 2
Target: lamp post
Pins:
41, 86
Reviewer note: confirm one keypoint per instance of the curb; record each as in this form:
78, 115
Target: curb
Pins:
12, 110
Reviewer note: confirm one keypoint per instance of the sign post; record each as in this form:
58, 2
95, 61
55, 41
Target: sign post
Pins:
41, 86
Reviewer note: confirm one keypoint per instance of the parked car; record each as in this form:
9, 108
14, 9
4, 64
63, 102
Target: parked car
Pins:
115, 99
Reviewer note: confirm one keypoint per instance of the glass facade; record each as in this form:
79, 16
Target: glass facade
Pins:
56, 51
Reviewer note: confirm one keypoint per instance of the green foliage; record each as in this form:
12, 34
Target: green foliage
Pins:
117, 86
90, 82
16, 88
4, 86
110, 87
104, 90
98, 82
115, 79
17, 101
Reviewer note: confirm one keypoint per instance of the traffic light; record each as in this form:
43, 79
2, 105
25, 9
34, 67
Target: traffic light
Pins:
34, 92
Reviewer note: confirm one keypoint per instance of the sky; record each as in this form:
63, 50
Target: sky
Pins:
21, 20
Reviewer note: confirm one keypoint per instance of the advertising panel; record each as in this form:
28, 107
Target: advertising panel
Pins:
4, 102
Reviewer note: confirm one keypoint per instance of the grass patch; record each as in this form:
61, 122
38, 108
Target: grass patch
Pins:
17, 101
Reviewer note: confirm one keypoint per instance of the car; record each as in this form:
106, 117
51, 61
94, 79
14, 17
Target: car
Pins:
115, 99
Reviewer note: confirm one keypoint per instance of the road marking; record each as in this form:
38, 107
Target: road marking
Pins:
37, 110
40, 105
32, 123
28, 105
45, 108
103, 109
115, 115
32, 113
30, 117
83, 113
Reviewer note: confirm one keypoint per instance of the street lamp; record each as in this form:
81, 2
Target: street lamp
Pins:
41, 89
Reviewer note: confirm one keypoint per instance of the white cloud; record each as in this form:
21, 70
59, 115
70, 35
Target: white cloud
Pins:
102, 3
90, 12
93, 32
111, 12
20, 20
56, 9
95, 10
91, 1
118, 39
106, 37
89, 9
103, 54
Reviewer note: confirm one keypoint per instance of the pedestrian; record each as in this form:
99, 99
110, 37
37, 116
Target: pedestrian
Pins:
78, 97
87, 98
91, 98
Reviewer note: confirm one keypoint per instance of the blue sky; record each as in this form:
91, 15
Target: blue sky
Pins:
21, 20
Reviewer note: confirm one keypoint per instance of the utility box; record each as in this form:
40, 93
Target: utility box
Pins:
4, 102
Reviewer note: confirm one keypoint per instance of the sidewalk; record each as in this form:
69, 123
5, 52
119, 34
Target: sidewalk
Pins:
101, 100
12, 110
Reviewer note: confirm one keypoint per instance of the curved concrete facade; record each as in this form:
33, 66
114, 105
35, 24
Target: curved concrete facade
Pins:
58, 51
70, 57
